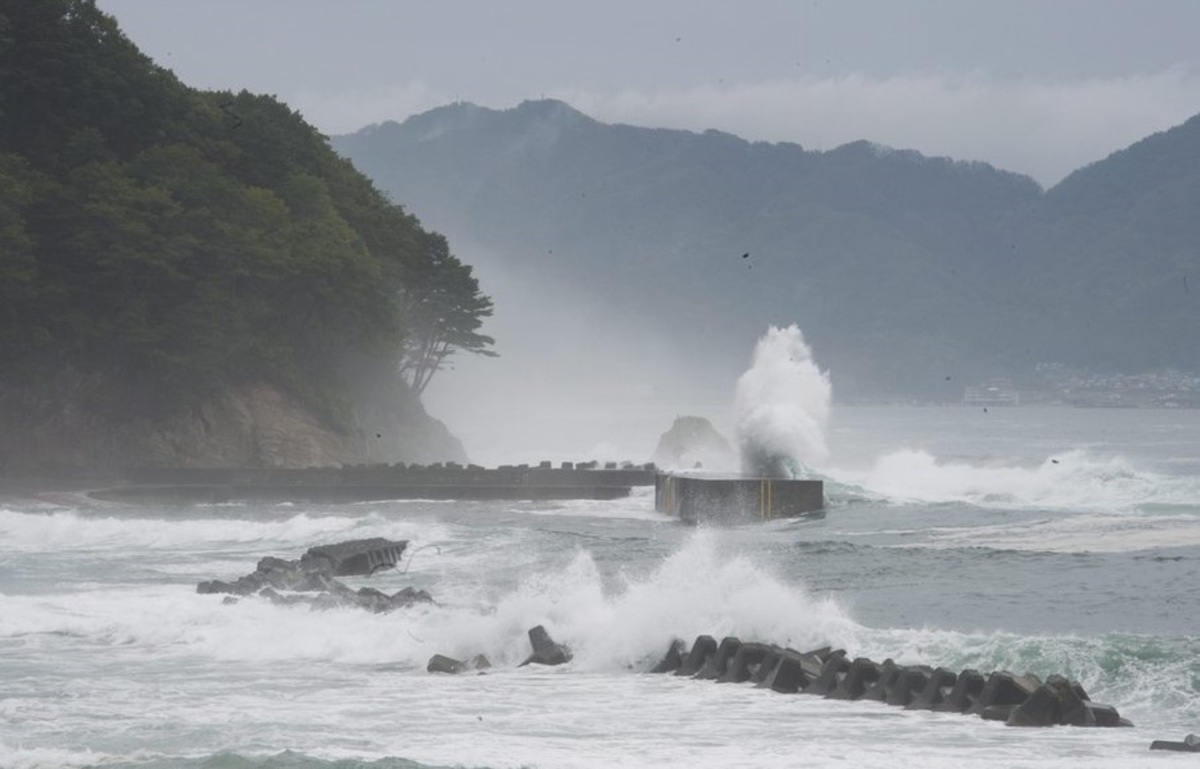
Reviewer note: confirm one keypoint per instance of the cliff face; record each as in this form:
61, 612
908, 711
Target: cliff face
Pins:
254, 425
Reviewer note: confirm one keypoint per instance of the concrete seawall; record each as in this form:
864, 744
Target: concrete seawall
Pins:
734, 499
361, 483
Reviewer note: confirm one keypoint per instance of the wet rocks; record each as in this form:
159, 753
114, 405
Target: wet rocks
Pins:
861, 674
704, 647
673, 659
790, 671
1060, 701
359, 557
1190, 744
746, 660
715, 666
1018, 700
967, 688
1003, 690
940, 684
878, 691
440, 663
833, 670
279, 580
909, 681
546, 651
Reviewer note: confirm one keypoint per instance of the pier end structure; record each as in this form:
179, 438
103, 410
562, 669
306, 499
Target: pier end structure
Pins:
730, 499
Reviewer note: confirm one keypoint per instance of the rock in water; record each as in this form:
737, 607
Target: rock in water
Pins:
673, 659
967, 689
546, 651
353, 558
692, 440
716, 664
315, 573
702, 648
440, 663
1190, 744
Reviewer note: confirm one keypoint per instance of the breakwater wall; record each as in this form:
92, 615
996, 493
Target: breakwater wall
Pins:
1017, 700
354, 483
735, 499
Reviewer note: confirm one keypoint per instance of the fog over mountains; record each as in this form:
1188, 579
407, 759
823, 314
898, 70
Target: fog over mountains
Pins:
667, 253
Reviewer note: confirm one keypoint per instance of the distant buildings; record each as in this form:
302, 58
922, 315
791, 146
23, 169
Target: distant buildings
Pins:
1155, 389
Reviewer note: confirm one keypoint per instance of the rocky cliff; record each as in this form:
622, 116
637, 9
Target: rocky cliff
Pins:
252, 425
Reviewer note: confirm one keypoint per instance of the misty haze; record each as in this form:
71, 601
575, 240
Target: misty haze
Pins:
577, 385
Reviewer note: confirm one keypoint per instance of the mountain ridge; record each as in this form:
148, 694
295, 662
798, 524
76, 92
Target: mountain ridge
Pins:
901, 269
556, 191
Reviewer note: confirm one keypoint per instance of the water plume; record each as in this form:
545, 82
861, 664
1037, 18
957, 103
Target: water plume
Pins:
781, 407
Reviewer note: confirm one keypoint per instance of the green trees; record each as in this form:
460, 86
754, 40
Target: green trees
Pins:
444, 312
17, 266
166, 243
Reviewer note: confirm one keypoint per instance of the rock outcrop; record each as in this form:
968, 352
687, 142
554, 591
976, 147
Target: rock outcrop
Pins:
692, 441
54, 428
316, 573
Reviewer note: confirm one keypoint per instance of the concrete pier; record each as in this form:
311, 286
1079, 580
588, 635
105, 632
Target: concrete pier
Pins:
361, 483
735, 499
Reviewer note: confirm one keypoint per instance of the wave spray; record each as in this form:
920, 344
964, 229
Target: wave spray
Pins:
781, 407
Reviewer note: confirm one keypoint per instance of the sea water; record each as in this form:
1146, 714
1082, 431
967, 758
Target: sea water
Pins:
1047, 540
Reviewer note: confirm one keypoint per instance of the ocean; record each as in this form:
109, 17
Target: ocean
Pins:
1043, 540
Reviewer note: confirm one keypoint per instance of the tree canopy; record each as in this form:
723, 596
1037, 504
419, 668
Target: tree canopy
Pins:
444, 309
164, 241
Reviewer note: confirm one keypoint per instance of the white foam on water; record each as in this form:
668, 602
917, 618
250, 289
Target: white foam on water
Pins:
1149, 679
17, 757
1087, 533
255, 678
1073, 480
782, 406
23, 532
639, 505
698, 589
611, 627
576, 719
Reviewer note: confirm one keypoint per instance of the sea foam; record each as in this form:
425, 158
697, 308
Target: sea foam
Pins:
1072, 480
782, 406
70, 530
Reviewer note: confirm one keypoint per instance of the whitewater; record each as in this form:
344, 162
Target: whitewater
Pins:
1043, 540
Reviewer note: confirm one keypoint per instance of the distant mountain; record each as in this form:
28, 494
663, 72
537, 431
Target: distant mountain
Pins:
1113, 257
909, 275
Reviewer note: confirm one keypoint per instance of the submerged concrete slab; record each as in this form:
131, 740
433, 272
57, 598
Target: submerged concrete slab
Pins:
736, 499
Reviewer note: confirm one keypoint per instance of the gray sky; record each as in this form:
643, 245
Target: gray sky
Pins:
1036, 86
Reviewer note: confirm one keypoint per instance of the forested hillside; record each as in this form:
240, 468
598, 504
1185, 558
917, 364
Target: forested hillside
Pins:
911, 276
1113, 255
167, 256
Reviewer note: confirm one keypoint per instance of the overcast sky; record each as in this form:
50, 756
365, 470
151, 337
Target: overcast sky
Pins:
1036, 86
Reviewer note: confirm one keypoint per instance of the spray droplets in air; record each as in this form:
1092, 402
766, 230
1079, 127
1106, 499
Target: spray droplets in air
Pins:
781, 407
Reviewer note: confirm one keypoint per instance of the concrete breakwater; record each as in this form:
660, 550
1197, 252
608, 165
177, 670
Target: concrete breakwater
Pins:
735, 499
1017, 700
361, 483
